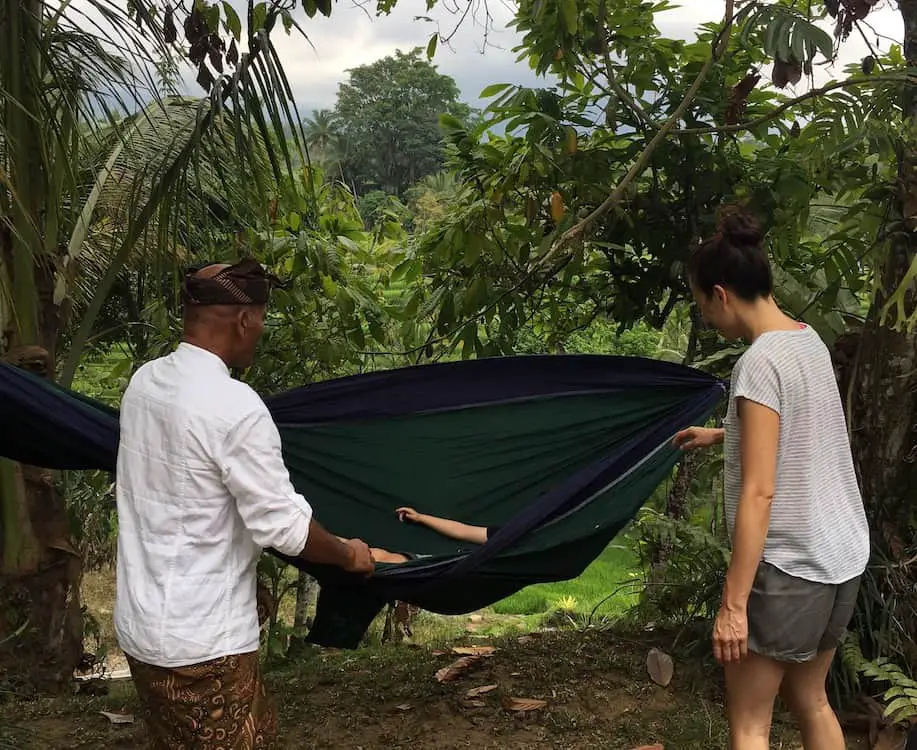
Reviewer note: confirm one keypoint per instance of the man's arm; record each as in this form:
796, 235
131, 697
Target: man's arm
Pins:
276, 515
325, 548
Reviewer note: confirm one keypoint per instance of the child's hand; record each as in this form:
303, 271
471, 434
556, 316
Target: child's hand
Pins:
408, 515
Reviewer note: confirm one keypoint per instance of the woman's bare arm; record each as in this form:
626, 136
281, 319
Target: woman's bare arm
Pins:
760, 432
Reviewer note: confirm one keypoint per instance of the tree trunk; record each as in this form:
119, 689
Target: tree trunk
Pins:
676, 505
41, 634
677, 501
306, 595
884, 438
40, 572
883, 417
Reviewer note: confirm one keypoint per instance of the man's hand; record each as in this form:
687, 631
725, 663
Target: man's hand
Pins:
730, 635
698, 437
408, 515
361, 559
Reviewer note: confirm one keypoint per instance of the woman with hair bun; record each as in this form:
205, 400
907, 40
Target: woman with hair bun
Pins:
800, 539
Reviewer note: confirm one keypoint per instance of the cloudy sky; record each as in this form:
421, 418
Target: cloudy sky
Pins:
353, 37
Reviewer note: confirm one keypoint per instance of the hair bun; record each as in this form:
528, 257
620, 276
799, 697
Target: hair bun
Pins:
738, 226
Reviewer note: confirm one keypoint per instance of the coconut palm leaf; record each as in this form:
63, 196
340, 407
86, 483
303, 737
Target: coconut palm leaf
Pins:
220, 200
92, 64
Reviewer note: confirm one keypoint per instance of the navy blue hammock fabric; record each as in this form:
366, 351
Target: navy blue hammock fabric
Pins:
557, 452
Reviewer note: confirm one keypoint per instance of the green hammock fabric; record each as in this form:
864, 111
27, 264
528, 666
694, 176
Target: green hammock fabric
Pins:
357, 474
558, 452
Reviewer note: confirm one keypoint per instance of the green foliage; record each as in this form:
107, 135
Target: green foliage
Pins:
564, 146
597, 336
684, 567
386, 122
900, 697
93, 518
334, 317
377, 207
279, 580
819, 174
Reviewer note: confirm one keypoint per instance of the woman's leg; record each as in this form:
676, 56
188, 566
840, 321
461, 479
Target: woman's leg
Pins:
751, 687
803, 691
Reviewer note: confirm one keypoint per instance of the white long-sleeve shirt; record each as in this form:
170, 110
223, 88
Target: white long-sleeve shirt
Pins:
201, 490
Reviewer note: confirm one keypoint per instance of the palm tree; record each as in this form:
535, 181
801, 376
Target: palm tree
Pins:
321, 132
99, 172
323, 138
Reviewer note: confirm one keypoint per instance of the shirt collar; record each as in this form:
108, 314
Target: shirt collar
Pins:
191, 354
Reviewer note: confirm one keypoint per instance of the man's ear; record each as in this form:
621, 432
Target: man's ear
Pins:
720, 294
243, 320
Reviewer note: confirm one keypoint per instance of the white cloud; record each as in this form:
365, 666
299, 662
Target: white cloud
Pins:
351, 38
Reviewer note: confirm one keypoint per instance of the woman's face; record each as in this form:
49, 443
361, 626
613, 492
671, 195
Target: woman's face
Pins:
718, 311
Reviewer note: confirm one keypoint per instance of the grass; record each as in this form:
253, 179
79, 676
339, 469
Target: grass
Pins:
605, 576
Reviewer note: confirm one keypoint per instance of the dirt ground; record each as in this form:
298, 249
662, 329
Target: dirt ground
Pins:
595, 686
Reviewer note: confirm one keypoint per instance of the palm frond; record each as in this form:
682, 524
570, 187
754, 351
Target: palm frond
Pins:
125, 173
217, 197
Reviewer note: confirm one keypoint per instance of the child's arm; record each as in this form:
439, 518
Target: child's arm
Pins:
452, 529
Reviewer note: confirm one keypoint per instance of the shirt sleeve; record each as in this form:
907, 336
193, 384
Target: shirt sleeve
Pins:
256, 476
758, 380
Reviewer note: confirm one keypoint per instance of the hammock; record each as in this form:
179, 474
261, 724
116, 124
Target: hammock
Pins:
559, 452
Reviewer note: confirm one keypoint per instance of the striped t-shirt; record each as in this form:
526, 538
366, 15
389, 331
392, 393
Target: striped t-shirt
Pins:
818, 529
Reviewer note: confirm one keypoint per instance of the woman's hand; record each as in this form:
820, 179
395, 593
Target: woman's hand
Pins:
698, 437
730, 635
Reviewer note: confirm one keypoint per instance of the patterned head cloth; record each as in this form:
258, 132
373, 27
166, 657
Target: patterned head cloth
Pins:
245, 283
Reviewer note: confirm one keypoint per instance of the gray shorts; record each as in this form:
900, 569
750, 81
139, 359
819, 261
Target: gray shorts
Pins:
791, 619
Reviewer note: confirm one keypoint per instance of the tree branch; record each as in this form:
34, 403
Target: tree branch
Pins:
576, 232
790, 103
622, 93
579, 229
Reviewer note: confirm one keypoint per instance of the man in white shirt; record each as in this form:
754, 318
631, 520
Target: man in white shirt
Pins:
202, 489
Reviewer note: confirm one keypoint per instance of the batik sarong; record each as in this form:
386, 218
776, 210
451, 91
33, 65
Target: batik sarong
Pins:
219, 704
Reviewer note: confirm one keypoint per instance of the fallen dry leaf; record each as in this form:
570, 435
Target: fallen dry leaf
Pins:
650, 747
475, 704
404, 707
660, 666
447, 674
476, 618
523, 705
439, 653
890, 738
473, 650
525, 639
118, 718
483, 690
